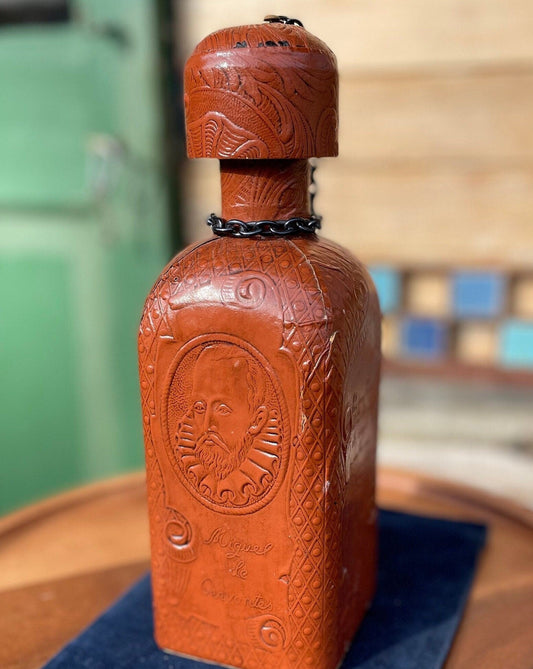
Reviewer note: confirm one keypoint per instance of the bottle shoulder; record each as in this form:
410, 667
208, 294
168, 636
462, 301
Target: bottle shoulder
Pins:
269, 256
322, 252
344, 280
300, 271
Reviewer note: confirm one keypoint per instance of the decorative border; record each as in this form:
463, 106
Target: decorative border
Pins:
285, 429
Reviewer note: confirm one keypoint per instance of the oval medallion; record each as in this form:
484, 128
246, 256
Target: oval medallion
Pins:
224, 424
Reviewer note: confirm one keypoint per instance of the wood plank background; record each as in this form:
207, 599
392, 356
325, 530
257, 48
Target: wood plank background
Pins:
436, 141
388, 33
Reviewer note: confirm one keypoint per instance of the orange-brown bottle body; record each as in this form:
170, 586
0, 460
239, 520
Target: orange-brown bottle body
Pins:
259, 368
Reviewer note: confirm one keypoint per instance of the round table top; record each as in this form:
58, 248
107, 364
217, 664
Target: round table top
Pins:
64, 560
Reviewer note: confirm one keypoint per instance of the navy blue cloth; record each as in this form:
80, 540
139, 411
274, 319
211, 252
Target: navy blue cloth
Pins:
426, 566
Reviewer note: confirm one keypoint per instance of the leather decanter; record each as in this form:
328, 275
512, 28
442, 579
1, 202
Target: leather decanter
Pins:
259, 366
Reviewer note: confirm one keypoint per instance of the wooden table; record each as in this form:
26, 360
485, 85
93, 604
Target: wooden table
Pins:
64, 560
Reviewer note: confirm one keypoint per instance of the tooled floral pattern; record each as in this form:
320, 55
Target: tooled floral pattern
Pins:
265, 107
216, 134
315, 526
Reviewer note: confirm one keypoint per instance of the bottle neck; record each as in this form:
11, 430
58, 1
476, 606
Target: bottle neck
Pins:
255, 190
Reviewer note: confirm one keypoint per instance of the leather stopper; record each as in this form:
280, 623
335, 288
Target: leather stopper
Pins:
266, 91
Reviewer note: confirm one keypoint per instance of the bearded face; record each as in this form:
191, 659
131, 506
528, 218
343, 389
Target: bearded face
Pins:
222, 421
215, 455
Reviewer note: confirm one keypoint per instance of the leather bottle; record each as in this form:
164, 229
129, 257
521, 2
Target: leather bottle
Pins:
259, 369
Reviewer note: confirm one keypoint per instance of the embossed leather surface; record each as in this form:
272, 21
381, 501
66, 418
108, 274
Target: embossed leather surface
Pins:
261, 91
270, 539
425, 570
259, 365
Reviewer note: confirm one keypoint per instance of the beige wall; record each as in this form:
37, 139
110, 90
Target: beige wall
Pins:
436, 162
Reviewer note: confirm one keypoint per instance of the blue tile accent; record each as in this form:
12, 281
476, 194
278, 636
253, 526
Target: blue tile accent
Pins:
388, 284
425, 338
478, 294
516, 344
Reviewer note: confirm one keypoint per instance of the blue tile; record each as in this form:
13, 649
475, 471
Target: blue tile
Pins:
478, 294
425, 338
516, 344
388, 284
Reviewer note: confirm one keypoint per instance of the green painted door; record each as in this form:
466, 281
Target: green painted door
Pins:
83, 234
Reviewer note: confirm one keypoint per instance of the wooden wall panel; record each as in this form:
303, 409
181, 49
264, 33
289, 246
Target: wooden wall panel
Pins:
474, 118
421, 216
387, 33
202, 186
409, 216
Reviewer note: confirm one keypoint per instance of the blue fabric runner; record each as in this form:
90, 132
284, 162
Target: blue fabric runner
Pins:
426, 567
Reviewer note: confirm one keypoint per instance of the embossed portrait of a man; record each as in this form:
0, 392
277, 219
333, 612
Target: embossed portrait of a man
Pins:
228, 442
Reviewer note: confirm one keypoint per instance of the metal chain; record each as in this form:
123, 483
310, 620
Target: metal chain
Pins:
236, 228
272, 18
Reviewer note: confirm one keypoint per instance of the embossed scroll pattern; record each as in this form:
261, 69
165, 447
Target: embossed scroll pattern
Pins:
240, 103
315, 577
245, 290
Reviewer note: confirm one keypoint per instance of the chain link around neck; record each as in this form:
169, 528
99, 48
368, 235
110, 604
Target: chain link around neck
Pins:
236, 228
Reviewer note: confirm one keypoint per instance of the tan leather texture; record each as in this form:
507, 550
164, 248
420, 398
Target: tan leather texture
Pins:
259, 368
